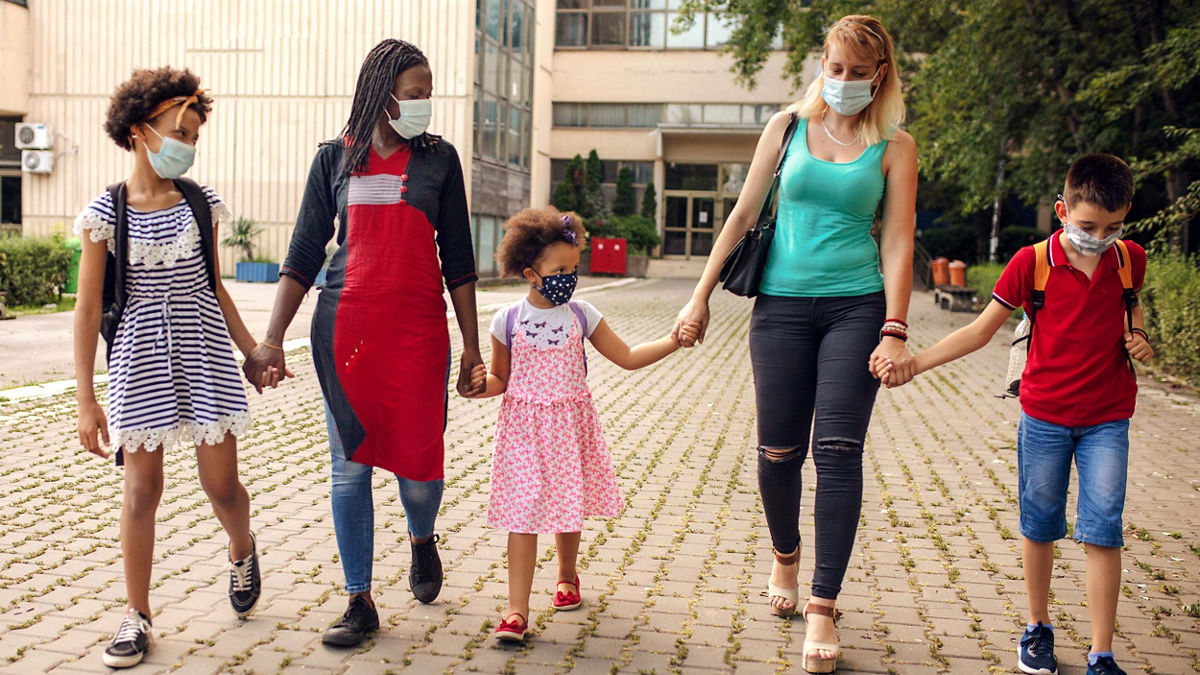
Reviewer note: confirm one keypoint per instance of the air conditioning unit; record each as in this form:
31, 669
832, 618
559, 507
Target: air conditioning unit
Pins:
34, 136
37, 161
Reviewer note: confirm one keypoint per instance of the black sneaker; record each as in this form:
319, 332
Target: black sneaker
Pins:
359, 621
1105, 665
1036, 653
131, 642
245, 582
425, 574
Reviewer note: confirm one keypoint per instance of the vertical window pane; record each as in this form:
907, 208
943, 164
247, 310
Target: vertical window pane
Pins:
683, 113
515, 125
558, 170
608, 29
608, 115
608, 172
570, 115
489, 135
648, 4
691, 38
572, 4
722, 114
644, 115
10, 199
491, 67
570, 30
643, 172
493, 19
758, 114
648, 29
719, 30
513, 90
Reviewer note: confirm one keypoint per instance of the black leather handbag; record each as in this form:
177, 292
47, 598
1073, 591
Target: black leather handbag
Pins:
742, 270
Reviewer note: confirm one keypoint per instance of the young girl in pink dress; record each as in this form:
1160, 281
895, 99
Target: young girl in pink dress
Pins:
550, 466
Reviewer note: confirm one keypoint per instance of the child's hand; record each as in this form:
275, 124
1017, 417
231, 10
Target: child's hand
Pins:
1138, 346
478, 380
93, 426
689, 332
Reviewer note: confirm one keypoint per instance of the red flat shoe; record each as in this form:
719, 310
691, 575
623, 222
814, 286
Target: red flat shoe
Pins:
564, 602
512, 631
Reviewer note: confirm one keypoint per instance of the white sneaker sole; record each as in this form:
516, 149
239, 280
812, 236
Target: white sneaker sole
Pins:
1034, 671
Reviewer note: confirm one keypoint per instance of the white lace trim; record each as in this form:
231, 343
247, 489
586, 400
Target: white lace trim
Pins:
221, 214
98, 230
184, 433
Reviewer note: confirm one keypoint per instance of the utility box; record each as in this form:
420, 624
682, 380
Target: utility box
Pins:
608, 255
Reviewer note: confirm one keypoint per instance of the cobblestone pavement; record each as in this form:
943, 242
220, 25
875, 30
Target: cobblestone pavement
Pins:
672, 585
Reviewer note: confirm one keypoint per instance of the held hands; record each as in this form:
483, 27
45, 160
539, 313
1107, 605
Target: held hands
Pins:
691, 324
472, 374
891, 363
264, 367
93, 426
1138, 347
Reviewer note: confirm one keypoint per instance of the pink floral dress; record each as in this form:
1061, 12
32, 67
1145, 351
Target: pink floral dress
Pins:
550, 465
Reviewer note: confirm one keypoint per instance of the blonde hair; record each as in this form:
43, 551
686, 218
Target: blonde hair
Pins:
865, 37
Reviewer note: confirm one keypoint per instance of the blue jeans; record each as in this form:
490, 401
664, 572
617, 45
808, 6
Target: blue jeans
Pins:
1044, 454
354, 510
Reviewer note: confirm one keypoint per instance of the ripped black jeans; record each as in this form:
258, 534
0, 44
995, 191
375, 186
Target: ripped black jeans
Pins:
810, 373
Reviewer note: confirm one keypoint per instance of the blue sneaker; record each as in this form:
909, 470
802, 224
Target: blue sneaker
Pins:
1105, 665
1036, 653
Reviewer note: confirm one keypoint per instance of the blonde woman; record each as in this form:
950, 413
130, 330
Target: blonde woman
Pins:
830, 300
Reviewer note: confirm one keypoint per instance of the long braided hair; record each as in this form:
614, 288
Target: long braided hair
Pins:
383, 65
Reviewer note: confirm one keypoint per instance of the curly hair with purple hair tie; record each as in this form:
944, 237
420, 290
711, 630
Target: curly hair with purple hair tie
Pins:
529, 232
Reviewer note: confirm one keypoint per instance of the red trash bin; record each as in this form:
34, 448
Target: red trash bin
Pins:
608, 255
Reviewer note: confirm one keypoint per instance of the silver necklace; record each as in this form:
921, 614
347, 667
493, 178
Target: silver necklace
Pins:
833, 138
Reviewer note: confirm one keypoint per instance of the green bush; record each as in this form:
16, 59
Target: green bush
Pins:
956, 242
640, 233
1171, 299
983, 278
33, 270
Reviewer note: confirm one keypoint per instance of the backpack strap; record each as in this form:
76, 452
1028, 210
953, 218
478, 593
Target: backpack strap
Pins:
202, 211
510, 322
114, 275
583, 327
1041, 275
1130, 296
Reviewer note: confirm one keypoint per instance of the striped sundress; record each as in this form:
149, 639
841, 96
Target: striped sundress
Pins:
172, 377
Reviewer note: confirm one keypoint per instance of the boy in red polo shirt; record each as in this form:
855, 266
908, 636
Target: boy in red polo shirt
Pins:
1077, 395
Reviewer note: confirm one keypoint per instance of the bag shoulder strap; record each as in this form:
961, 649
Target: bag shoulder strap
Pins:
583, 329
510, 322
198, 203
771, 202
1124, 265
115, 286
1041, 265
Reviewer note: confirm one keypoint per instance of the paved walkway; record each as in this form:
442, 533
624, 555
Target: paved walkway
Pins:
672, 585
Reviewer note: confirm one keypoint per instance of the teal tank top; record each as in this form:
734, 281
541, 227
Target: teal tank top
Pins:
823, 245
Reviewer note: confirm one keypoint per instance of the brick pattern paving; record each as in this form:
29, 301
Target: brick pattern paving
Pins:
672, 585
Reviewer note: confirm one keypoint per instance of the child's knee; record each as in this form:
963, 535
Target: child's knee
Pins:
143, 496
224, 494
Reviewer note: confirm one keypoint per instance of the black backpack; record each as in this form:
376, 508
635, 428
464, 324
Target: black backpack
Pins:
115, 295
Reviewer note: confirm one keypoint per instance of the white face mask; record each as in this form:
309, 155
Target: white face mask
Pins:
1085, 243
173, 158
414, 117
848, 97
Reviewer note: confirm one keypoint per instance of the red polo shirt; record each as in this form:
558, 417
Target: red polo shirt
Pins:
1077, 373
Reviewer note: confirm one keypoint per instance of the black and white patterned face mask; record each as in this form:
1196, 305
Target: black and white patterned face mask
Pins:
557, 288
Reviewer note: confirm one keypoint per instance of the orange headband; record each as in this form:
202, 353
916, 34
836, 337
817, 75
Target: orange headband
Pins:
174, 101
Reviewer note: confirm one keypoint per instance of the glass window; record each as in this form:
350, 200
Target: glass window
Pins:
683, 113
643, 114
648, 29
717, 113
733, 177
516, 26
690, 38
643, 172
515, 70
558, 170
572, 4
648, 4
10, 199
492, 18
600, 4
570, 30
485, 243
515, 124
491, 68
719, 30
674, 242
758, 114
570, 114
488, 135
691, 176
608, 115
608, 29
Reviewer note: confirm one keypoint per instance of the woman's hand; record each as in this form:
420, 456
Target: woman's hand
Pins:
695, 312
891, 363
93, 426
263, 366
470, 382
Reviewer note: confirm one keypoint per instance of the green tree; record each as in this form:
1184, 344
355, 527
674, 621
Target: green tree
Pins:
649, 202
623, 203
563, 198
1004, 94
591, 198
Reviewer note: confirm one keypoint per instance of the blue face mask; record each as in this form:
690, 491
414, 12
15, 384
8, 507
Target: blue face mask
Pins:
173, 158
848, 97
558, 288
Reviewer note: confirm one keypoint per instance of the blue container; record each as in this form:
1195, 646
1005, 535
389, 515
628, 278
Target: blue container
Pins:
257, 271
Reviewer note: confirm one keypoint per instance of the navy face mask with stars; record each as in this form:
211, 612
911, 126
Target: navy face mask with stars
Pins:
558, 288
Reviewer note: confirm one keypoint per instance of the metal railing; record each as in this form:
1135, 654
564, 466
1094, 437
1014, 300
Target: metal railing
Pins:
922, 266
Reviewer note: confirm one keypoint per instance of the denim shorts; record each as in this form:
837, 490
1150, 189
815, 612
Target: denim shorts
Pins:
1044, 454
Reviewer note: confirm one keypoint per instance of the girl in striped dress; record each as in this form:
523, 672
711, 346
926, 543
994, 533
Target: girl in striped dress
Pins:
172, 375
